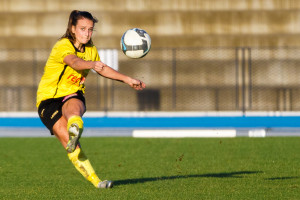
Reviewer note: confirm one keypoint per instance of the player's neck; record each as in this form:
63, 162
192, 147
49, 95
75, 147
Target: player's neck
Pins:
79, 47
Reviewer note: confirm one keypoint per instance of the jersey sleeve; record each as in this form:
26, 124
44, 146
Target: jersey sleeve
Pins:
63, 48
96, 54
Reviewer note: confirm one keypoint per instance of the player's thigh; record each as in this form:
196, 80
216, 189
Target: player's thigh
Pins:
72, 107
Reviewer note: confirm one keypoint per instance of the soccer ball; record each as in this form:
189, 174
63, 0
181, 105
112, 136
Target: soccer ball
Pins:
135, 43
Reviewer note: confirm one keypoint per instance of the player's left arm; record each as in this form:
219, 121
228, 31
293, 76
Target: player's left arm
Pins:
110, 73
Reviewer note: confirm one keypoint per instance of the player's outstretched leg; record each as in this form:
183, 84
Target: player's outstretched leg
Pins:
83, 165
75, 129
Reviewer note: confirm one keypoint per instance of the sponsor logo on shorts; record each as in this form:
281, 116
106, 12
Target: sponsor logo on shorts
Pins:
42, 113
53, 115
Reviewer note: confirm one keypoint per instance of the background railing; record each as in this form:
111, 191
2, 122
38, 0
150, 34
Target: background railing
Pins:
178, 79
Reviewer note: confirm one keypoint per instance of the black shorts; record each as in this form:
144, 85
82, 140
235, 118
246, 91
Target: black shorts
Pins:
50, 110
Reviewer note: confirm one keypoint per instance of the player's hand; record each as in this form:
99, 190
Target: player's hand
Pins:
98, 66
137, 84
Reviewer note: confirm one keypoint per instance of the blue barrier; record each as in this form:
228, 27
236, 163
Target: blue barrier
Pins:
169, 122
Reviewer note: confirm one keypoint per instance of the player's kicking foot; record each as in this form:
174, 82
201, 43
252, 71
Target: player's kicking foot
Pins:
74, 135
105, 184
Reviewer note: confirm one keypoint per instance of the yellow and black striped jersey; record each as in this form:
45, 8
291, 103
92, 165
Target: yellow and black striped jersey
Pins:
59, 79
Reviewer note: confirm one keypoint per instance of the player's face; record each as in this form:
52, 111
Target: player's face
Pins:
83, 31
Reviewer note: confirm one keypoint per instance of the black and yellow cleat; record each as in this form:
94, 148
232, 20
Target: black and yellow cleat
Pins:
105, 184
74, 135
75, 129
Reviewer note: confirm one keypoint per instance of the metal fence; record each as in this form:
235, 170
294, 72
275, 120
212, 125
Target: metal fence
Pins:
181, 79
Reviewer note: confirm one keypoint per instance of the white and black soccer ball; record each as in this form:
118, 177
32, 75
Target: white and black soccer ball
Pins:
135, 43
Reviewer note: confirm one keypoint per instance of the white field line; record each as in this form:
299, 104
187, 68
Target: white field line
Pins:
184, 133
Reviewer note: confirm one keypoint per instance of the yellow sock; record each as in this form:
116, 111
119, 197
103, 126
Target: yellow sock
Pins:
75, 119
83, 165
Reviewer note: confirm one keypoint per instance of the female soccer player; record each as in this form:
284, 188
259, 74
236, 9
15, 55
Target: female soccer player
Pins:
60, 95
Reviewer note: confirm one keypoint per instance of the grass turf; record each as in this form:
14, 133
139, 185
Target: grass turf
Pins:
188, 168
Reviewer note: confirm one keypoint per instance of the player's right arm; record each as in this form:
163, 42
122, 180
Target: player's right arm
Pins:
80, 64
110, 73
103, 70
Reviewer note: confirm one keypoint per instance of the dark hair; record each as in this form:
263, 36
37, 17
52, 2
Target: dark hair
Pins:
73, 19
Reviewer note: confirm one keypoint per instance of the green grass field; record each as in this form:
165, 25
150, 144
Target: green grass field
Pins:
190, 168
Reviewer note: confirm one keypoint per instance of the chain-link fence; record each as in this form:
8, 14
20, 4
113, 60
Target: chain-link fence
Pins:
181, 79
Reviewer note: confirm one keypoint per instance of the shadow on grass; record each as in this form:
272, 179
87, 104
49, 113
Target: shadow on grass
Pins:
283, 178
239, 174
